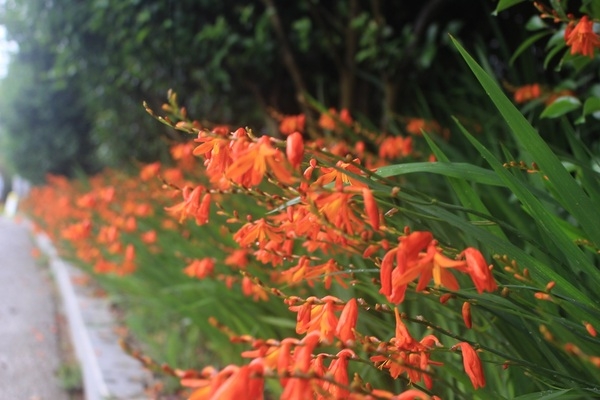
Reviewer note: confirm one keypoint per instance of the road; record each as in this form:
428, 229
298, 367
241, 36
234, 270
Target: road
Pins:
29, 343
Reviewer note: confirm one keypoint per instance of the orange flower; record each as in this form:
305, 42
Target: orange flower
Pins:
590, 329
249, 288
128, 266
259, 232
412, 394
336, 207
238, 259
251, 166
189, 205
86, 201
472, 365
435, 265
326, 120
217, 153
340, 178
182, 153
466, 314
371, 208
192, 205
479, 271
331, 120
231, 383
416, 126
107, 234
582, 37
292, 123
404, 354
275, 355
318, 315
200, 268
301, 388
103, 267
328, 271
297, 274
412, 262
338, 370
303, 353
130, 224
395, 146
150, 171
173, 175
203, 211
527, 93
78, 231
404, 255
149, 237
403, 338
347, 323
295, 149
345, 117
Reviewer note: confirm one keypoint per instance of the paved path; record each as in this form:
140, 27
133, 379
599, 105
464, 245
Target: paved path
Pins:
29, 349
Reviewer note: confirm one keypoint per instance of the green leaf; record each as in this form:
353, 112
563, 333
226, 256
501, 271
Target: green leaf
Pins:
549, 395
585, 158
561, 106
278, 321
455, 170
571, 195
467, 195
504, 4
535, 23
544, 219
526, 44
498, 245
552, 53
591, 106
591, 8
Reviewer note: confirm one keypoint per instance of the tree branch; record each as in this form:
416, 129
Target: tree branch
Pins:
291, 65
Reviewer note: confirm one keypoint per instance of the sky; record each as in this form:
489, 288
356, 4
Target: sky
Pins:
6, 48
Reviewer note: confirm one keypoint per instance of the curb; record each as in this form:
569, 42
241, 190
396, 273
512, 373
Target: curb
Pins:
108, 372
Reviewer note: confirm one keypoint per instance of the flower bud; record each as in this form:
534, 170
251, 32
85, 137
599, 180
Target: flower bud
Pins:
294, 148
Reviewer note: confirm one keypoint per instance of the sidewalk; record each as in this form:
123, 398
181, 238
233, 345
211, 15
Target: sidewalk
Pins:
29, 348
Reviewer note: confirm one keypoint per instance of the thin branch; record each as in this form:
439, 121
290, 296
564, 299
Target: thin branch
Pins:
290, 63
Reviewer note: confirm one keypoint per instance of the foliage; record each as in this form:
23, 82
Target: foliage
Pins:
458, 261
228, 62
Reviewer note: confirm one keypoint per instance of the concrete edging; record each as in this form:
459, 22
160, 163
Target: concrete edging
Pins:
108, 372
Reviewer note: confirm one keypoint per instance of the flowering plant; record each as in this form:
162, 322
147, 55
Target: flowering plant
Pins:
334, 272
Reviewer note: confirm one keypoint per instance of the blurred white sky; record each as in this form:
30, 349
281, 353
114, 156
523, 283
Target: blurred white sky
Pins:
6, 48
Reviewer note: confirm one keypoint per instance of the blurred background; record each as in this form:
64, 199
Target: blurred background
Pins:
75, 74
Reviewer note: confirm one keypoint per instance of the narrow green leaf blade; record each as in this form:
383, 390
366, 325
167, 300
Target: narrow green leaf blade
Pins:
468, 197
550, 395
543, 218
504, 4
525, 45
455, 170
572, 196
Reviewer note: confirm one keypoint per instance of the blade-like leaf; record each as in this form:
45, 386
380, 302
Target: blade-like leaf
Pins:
501, 246
550, 395
526, 44
572, 196
543, 218
504, 4
466, 193
454, 170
